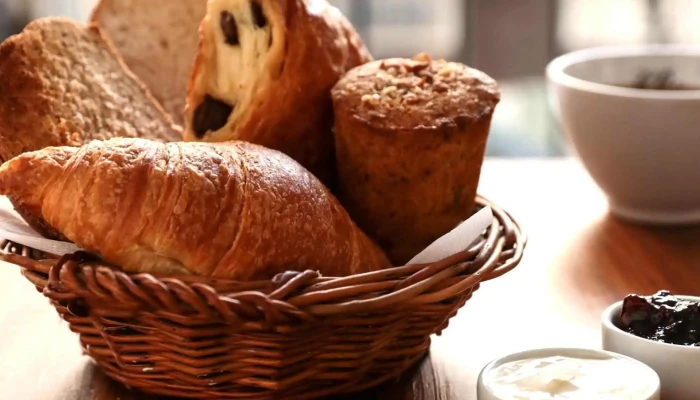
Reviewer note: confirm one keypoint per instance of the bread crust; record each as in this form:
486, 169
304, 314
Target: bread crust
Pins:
409, 157
43, 101
157, 41
230, 210
289, 109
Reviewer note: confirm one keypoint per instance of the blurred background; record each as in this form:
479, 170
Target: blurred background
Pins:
511, 40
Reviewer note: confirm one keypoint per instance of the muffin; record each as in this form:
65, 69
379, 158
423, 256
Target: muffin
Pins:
410, 136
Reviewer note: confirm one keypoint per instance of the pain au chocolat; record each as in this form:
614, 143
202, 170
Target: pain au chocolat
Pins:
410, 136
233, 210
263, 74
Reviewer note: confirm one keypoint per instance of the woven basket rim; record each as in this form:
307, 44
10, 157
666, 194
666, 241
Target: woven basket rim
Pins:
300, 294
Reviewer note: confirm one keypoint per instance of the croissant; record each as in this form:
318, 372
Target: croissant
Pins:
233, 210
263, 74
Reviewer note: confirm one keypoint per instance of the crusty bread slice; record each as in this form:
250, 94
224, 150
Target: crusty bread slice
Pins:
61, 83
157, 40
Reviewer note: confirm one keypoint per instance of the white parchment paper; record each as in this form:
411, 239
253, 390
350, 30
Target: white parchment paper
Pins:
458, 239
13, 227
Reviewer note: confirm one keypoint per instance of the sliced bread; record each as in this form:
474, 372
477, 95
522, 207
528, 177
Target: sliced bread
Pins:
61, 83
157, 40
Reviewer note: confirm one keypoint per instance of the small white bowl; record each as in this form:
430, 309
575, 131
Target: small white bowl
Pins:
640, 146
645, 374
677, 366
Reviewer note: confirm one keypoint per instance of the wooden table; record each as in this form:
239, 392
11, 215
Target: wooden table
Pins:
578, 261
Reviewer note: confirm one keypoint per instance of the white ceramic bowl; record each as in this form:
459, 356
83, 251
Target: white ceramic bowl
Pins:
645, 374
677, 366
641, 146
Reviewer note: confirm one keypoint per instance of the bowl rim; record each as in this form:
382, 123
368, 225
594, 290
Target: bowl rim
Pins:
608, 324
554, 70
550, 351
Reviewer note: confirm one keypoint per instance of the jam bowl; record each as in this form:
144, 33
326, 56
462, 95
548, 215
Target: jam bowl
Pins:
666, 346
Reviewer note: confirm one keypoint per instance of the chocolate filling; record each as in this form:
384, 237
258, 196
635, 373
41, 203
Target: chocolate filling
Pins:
229, 27
258, 15
210, 115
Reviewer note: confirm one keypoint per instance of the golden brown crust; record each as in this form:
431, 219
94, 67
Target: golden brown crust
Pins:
289, 106
400, 93
36, 222
408, 177
231, 210
61, 83
17, 85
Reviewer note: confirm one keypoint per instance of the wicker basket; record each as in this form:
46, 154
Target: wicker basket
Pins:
298, 336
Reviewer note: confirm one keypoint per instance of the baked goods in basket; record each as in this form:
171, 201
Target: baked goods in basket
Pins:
263, 74
232, 210
157, 40
410, 136
61, 83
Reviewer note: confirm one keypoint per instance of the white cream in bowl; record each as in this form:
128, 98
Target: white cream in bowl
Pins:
567, 374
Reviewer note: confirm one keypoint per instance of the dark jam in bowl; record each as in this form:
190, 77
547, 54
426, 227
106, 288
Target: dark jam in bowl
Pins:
662, 318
